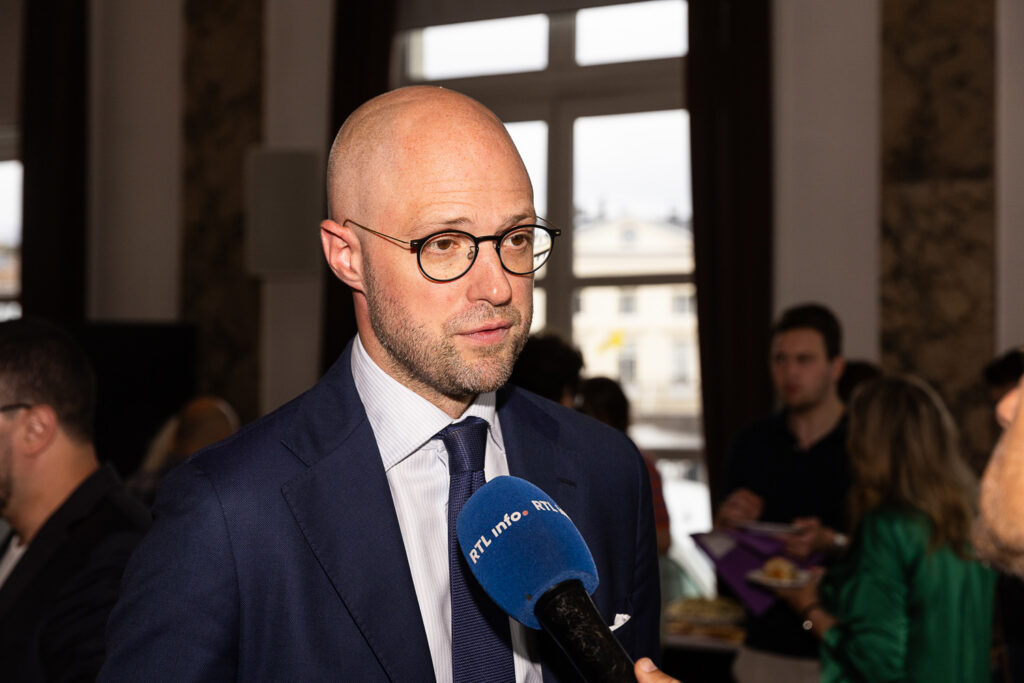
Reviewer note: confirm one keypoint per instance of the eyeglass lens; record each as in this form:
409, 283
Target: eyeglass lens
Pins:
449, 255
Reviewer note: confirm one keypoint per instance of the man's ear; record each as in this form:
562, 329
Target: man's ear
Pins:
343, 253
38, 428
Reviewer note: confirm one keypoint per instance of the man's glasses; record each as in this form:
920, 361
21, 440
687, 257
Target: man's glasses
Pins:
14, 406
448, 255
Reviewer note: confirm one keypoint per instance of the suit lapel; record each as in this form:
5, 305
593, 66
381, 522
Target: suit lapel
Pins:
532, 449
536, 453
343, 506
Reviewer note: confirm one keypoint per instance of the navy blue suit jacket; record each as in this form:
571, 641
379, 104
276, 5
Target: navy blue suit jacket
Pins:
277, 555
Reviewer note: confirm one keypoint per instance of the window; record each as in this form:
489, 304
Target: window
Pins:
531, 138
627, 365
627, 301
478, 48
594, 101
684, 302
10, 239
623, 33
11, 174
682, 362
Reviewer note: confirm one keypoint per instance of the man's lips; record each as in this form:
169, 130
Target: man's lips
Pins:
487, 332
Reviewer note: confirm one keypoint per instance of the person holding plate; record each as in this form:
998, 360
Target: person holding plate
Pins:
909, 601
788, 476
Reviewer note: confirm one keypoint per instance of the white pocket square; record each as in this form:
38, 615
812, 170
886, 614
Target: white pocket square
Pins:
620, 619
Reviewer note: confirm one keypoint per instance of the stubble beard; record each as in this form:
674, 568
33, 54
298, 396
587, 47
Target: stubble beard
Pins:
810, 400
435, 362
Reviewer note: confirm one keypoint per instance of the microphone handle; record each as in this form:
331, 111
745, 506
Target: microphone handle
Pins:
568, 614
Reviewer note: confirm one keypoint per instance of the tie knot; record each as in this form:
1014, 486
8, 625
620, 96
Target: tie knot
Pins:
466, 443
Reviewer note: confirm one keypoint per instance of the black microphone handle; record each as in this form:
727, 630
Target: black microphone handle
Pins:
570, 617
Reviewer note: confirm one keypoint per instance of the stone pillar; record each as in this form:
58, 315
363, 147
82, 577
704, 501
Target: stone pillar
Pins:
223, 119
938, 194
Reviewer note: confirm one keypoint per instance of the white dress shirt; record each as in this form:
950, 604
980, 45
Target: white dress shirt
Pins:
405, 425
15, 549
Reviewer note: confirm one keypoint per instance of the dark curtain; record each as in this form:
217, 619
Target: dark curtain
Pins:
729, 98
54, 124
362, 53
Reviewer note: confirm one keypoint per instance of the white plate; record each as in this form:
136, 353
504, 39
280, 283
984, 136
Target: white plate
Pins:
769, 528
703, 612
758, 576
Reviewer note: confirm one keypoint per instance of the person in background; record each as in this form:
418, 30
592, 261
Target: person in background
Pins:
202, 421
791, 467
73, 525
1002, 374
550, 367
603, 399
910, 601
855, 372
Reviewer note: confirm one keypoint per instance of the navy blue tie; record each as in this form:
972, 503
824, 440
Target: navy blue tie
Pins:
481, 643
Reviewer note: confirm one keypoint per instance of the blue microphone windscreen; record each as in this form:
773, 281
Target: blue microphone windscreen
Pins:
519, 544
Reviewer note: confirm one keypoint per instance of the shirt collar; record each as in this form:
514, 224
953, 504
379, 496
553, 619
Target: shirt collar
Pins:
402, 420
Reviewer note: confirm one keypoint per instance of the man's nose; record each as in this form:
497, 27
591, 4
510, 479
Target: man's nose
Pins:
488, 278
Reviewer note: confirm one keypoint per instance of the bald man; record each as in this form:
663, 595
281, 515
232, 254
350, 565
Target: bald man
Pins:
313, 544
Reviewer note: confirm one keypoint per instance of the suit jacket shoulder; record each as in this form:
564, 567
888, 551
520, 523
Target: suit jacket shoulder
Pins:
54, 605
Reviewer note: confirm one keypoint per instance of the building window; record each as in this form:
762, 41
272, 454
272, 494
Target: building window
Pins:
627, 365
682, 362
684, 302
627, 301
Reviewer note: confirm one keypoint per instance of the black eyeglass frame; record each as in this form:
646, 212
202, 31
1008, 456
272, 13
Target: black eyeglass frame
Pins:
15, 406
416, 246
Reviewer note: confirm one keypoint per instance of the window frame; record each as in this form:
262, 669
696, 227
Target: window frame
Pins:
558, 95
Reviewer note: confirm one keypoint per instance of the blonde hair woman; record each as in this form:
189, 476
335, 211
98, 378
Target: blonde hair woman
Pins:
909, 602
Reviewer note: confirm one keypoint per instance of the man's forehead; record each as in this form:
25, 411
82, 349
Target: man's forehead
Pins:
485, 182
799, 339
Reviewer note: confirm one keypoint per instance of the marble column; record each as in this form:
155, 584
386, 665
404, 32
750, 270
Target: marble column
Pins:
223, 119
938, 193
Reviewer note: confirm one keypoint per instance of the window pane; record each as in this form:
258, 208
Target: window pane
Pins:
624, 33
632, 194
643, 349
684, 485
9, 310
10, 235
531, 138
478, 48
539, 317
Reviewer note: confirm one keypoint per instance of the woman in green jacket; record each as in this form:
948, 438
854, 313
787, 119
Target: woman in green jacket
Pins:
909, 602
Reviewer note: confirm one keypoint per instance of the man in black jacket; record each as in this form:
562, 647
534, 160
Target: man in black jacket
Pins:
72, 523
